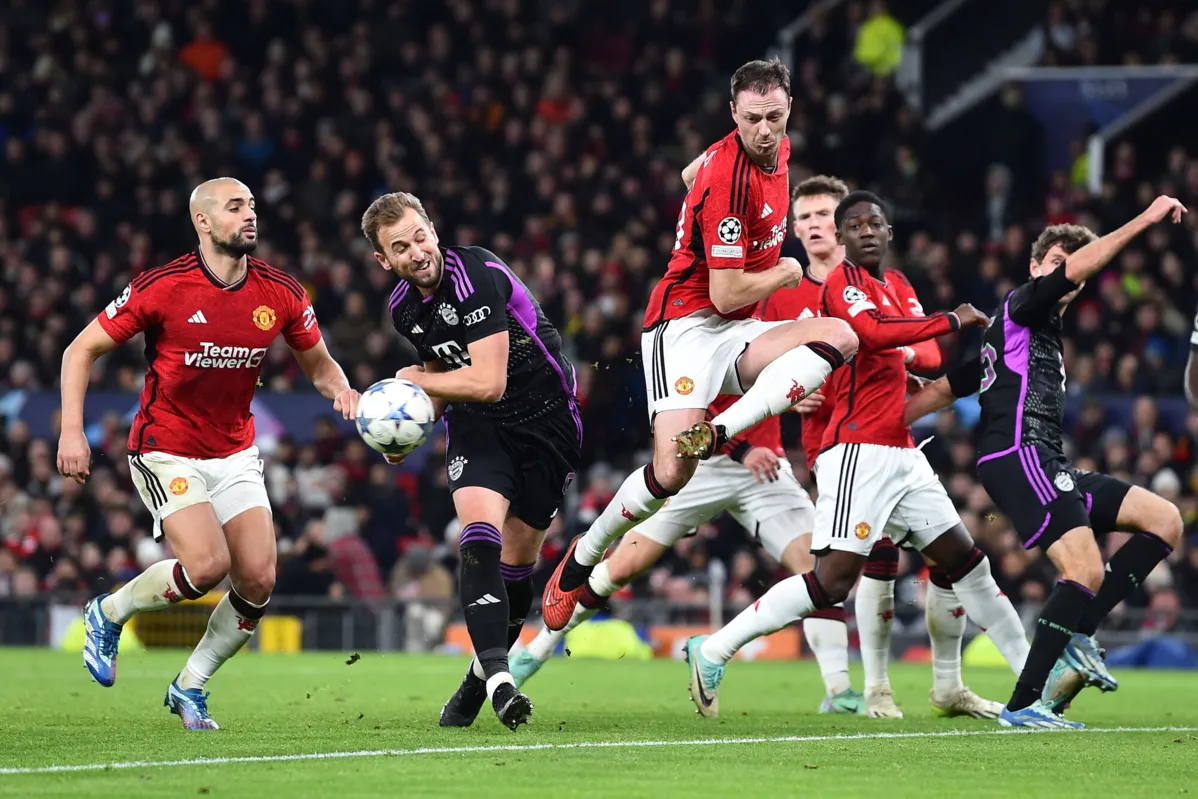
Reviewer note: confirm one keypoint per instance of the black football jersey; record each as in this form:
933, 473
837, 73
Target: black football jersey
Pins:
480, 296
1022, 392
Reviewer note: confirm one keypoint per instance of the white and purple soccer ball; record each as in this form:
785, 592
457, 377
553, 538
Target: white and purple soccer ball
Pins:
395, 416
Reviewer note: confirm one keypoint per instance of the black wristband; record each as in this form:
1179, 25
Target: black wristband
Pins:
740, 448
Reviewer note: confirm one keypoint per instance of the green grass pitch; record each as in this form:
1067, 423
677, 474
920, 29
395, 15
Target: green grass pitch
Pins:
600, 729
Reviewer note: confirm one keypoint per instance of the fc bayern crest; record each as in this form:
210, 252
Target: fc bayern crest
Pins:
729, 230
1063, 481
449, 315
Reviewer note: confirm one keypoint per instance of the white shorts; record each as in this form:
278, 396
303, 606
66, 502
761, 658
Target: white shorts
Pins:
868, 489
168, 483
689, 361
721, 484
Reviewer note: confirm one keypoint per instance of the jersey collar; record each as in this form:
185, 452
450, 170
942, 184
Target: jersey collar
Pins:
216, 281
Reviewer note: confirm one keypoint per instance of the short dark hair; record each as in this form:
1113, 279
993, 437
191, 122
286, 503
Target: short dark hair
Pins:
854, 198
819, 186
387, 210
761, 77
1071, 238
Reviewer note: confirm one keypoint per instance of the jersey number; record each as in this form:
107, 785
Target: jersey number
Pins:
681, 227
988, 373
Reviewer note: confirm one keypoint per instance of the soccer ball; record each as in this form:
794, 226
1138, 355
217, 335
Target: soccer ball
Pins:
395, 416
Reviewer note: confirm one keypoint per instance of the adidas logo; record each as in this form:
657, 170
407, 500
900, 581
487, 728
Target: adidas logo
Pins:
485, 599
417, 330
198, 318
767, 211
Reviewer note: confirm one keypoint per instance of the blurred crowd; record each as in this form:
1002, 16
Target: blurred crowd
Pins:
553, 133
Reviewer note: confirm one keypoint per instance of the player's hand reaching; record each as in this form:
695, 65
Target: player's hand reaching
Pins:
394, 460
410, 373
1163, 207
915, 383
763, 463
347, 403
971, 317
74, 456
810, 403
793, 272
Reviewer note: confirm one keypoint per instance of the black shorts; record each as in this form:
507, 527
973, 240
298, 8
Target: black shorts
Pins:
1045, 496
531, 464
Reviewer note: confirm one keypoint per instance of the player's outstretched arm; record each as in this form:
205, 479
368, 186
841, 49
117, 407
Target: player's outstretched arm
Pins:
1090, 259
484, 380
74, 454
328, 377
939, 394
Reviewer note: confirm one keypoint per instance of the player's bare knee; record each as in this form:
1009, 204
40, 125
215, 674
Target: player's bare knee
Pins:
839, 335
1084, 571
624, 566
672, 472
1164, 521
256, 585
206, 570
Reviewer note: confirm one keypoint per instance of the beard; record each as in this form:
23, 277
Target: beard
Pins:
430, 279
236, 245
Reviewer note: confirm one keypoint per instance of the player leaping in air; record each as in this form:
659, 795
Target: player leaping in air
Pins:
513, 427
1052, 504
208, 318
699, 339
870, 476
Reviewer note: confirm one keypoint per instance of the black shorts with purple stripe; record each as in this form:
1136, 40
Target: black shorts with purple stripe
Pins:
532, 465
1045, 496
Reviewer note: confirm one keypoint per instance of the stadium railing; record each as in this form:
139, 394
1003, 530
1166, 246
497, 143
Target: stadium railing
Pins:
655, 627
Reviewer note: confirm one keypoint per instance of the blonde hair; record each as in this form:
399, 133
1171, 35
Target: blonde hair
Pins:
387, 210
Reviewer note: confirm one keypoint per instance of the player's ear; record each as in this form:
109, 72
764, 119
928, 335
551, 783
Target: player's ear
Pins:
732, 108
889, 233
378, 256
839, 238
1034, 268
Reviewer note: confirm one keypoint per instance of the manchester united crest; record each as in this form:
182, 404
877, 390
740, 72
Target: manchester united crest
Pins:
684, 385
862, 530
264, 317
179, 486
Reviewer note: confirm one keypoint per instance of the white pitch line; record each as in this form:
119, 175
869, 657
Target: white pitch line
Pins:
451, 750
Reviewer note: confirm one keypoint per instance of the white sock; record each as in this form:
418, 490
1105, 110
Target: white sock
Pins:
477, 669
227, 633
786, 602
497, 680
781, 384
875, 623
829, 642
153, 589
544, 644
631, 505
946, 628
993, 613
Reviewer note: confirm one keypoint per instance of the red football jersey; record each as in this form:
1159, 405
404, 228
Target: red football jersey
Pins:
802, 302
766, 433
734, 217
871, 390
205, 344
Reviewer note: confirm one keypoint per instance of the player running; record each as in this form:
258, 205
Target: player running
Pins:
814, 208
870, 476
209, 318
751, 479
1052, 504
699, 340
493, 365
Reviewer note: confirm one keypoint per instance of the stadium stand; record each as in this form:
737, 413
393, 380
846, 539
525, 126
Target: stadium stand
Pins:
554, 132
